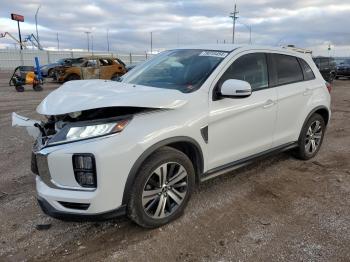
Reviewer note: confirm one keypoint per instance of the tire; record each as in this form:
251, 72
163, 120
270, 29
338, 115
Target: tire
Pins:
115, 77
337, 77
169, 198
50, 73
72, 77
19, 89
311, 137
37, 88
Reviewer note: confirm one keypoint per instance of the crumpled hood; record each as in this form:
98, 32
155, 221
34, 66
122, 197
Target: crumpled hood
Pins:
82, 95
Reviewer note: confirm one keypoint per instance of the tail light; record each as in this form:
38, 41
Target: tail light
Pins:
329, 87
85, 170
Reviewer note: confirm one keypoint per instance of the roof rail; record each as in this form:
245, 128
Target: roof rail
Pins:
298, 49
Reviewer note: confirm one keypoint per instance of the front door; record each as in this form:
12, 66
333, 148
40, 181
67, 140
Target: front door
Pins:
242, 127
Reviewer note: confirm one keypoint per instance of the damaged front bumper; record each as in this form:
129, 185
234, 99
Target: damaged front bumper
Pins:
59, 193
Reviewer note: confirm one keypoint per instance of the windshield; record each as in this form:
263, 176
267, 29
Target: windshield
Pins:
183, 70
61, 61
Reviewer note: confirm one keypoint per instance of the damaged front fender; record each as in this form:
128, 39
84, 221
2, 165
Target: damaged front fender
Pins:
29, 124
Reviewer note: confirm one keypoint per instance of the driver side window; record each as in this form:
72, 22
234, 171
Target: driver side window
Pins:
251, 68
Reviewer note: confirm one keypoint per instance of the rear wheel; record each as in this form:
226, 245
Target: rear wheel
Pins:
311, 137
162, 188
116, 77
37, 87
50, 73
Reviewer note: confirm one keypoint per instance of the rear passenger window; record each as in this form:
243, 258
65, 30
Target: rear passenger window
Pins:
308, 74
251, 68
288, 69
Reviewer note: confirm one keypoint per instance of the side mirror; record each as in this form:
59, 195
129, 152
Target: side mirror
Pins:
234, 88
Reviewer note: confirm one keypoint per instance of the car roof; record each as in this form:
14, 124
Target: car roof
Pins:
99, 57
232, 47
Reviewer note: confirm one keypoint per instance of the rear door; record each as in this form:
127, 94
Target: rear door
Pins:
107, 68
293, 80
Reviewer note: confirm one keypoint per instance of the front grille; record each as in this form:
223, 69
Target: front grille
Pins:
33, 164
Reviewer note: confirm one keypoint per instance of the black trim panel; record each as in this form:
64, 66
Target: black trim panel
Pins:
245, 161
67, 216
204, 133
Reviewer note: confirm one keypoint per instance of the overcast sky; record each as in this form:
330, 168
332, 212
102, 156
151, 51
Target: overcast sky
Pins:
306, 23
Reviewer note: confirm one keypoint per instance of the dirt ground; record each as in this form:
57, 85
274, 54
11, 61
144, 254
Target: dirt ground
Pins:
278, 209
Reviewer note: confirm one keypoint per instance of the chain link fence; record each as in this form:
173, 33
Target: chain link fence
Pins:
10, 59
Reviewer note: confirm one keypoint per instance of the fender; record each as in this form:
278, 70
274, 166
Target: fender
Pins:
311, 113
133, 172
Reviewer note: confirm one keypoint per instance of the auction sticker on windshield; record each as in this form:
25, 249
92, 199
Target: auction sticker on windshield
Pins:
214, 54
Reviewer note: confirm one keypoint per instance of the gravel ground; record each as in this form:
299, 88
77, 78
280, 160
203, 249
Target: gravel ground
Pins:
278, 209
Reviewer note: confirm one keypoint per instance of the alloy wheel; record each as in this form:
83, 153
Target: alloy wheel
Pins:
165, 190
313, 137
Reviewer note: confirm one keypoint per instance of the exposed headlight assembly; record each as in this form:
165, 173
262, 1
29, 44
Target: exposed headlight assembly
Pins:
88, 129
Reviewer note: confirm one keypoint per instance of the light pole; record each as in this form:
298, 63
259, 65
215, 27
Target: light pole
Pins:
88, 39
250, 31
234, 17
108, 40
151, 43
58, 42
36, 24
92, 44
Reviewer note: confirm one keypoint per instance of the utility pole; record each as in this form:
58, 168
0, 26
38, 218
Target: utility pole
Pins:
107, 40
151, 43
58, 42
36, 24
234, 17
88, 39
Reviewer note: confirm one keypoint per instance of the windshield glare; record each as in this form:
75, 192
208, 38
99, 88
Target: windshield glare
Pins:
183, 70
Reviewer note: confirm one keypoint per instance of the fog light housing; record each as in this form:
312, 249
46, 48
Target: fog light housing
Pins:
85, 170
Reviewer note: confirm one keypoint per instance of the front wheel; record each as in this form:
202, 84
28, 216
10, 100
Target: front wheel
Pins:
311, 137
72, 77
162, 188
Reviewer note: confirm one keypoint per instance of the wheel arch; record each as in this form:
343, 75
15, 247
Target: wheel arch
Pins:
321, 110
186, 145
71, 74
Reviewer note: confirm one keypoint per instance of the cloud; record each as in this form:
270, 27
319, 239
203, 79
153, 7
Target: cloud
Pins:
310, 24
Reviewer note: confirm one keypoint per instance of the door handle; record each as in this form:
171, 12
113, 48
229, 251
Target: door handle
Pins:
269, 103
307, 92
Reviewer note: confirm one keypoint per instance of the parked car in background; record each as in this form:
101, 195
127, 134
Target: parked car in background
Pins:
92, 67
327, 67
140, 146
130, 67
48, 70
343, 69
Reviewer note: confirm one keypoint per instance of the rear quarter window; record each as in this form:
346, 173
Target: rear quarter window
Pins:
308, 73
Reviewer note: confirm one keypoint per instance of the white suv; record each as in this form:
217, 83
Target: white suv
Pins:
140, 146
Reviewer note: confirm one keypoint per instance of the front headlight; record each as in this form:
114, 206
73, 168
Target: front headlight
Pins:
86, 130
